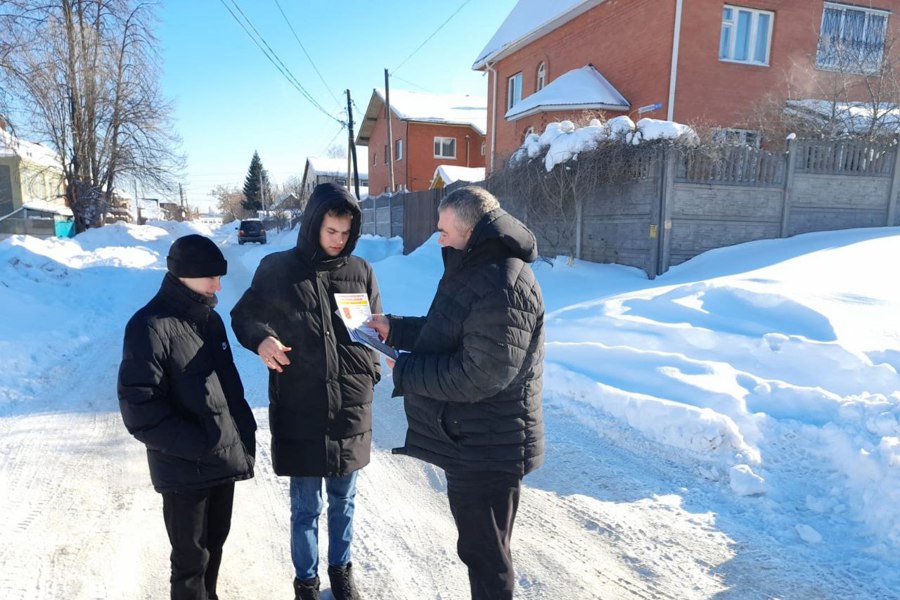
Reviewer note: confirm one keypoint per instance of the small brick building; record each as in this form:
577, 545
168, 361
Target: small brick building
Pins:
427, 131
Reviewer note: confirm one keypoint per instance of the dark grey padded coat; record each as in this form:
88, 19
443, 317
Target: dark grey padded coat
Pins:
320, 406
472, 378
181, 395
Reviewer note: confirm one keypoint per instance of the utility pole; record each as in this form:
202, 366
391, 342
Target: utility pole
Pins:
137, 205
390, 136
262, 193
352, 146
184, 215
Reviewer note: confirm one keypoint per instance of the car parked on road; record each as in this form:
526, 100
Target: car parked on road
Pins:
251, 230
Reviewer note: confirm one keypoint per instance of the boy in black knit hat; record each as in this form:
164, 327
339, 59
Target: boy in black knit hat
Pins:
181, 396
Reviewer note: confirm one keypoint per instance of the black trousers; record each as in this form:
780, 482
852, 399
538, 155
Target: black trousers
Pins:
484, 505
198, 524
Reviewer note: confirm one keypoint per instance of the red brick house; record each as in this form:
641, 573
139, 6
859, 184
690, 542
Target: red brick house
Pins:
427, 131
703, 62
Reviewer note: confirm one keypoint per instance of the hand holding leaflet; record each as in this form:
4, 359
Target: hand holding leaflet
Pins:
354, 311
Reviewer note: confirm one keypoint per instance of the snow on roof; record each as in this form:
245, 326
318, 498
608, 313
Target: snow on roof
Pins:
337, 167
454, 109
452, 173
583, 88
853, 116
32, 152
47, 207
529, 20
450, 109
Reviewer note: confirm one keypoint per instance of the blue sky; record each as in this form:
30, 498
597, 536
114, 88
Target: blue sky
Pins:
230, 100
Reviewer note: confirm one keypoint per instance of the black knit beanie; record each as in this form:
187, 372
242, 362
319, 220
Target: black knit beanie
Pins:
195, 256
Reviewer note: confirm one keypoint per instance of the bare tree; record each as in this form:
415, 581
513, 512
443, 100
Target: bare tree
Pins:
84, 77
230, 199
294, 185
336, 151
848, 88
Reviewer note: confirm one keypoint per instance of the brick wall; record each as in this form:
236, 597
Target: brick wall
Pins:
422, 162
632, 54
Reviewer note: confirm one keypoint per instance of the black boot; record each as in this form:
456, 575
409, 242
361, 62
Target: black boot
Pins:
307, 589
342, 585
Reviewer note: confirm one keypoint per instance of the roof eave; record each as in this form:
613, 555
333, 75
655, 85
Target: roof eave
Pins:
449, 123
369, 119
566, 107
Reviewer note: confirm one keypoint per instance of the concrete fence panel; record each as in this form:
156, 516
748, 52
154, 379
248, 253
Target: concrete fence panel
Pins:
823, 202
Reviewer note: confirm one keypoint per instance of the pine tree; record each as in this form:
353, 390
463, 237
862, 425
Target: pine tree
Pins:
255, 195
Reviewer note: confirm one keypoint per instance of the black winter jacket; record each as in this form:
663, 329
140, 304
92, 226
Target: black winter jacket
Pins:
181, 395
472, 380
320, 406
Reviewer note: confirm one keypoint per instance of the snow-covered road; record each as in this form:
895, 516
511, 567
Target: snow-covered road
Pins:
613, 514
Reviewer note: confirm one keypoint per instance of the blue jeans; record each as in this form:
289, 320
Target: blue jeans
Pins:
306, 506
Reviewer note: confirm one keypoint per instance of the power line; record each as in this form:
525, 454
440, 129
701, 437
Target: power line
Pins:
284, 69
411, 83
397, 68
296, 37
273, 57
328, 145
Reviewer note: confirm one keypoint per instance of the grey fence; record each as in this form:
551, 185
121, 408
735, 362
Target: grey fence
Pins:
688, 203
412, 215
383, 215
676, 204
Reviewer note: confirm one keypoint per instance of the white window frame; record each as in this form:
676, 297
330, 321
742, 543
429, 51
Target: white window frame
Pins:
829, 59
728, 37
439, 147
513, 90
398, 149
541, 79
483, 148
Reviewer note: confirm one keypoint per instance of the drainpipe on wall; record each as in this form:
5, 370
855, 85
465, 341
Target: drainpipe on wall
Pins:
673, 73
490, 69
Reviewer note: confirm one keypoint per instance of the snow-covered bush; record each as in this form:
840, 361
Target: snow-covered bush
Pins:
563, 141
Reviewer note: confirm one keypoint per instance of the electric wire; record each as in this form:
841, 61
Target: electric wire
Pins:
414, 52
328, 145
308, 57
282, 68
285, 70
416, 85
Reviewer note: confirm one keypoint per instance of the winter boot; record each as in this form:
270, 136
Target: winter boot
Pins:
306, 589
342, 585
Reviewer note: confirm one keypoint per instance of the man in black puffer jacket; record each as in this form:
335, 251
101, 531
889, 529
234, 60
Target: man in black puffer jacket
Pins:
181, 395
472, 378
320, 382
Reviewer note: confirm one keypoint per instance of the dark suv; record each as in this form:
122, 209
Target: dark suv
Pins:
251, 230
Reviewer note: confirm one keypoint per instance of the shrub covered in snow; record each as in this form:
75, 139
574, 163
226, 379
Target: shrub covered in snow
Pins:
563, 141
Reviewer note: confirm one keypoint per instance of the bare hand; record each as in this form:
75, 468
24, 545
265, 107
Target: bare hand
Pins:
390, 362
272, 353
381, 324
